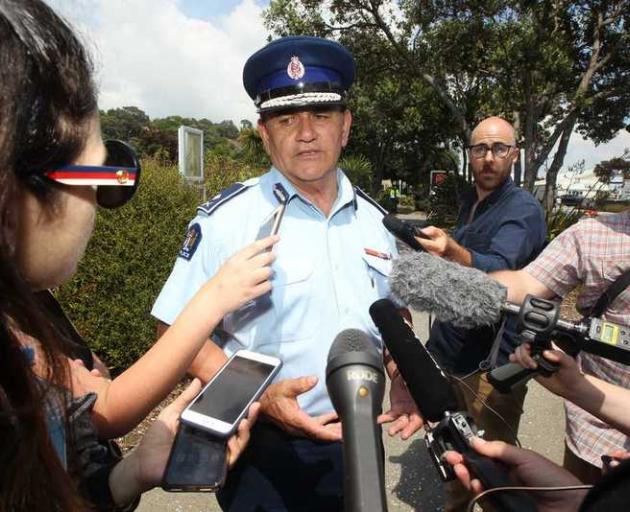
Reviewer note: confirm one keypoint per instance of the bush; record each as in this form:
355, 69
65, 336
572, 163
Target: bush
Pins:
358, 169
444, 201
560, 219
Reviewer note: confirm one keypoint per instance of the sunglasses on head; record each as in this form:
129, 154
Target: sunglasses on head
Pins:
116, 180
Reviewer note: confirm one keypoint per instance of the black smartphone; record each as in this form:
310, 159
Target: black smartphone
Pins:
197, 462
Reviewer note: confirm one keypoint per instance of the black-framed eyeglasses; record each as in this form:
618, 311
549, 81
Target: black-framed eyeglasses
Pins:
116, 180
499, 150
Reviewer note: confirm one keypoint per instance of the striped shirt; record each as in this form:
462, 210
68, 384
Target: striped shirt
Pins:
592, 254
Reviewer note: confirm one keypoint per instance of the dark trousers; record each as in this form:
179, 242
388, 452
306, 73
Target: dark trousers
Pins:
279, 472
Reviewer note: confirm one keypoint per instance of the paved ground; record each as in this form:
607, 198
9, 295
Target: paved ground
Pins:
412, 482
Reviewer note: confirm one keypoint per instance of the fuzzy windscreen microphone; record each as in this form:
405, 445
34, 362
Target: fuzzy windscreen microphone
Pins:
461, 295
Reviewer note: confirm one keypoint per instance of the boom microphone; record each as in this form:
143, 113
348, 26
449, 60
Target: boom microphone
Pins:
468, 298
464, 296
356, 384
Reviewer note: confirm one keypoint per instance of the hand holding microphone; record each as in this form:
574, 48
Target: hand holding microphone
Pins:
432, 392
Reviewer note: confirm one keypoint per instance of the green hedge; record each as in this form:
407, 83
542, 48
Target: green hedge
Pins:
129, 258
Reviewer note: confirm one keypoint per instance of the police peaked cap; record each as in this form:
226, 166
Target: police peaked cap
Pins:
298, 71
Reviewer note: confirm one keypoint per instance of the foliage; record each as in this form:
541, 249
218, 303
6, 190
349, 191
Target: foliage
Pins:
222, 171
560, 219
604, 170
158, 137
444, 201
359, 171
126, 264
252, 149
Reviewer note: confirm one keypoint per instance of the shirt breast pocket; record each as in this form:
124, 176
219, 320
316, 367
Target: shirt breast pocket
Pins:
378, 272
292, 296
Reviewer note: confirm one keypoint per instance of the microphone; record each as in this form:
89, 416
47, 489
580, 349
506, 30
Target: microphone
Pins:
429, 387
464, 296
468, 298
403, 231
431, 390
356, 384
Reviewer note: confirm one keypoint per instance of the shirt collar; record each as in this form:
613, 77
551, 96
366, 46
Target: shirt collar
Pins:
470, 197
345, 190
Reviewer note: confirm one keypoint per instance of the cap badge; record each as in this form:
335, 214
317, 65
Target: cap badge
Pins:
295, 69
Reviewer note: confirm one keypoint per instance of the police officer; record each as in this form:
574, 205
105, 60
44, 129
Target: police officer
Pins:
333, 259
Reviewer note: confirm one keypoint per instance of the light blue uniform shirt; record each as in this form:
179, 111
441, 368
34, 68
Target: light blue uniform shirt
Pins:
324, 280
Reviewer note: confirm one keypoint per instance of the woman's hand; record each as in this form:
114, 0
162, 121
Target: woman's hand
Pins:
143, 468
245, 276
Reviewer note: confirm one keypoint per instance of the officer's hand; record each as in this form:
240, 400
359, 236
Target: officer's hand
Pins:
525, 468
244, 276
279, 403
563, 381
442, 245
403, 413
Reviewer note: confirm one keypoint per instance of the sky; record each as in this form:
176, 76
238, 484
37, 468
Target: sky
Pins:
185, 57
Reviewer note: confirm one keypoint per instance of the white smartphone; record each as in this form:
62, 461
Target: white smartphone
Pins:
224, 401
272, 224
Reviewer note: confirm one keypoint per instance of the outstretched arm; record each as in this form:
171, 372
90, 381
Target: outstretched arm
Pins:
125, 401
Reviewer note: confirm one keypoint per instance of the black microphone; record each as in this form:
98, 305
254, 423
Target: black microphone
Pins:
403, 231
432, 392
429, 387
356, 384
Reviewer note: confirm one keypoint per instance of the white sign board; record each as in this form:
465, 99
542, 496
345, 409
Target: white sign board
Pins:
190, 153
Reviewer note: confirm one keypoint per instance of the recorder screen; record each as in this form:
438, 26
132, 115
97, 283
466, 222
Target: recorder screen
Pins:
227, 396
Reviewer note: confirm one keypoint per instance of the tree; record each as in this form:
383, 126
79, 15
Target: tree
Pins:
549, 66
124, 123
605, 170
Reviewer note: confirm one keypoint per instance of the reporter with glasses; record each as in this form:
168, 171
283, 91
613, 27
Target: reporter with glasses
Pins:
499, 227
56, 405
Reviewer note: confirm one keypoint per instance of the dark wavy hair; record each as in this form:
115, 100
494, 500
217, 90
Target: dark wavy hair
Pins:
47, 100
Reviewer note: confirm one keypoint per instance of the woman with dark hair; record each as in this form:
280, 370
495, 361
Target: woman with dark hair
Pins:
52, 176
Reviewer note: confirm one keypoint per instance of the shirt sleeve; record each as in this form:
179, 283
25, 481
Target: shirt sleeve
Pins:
518, 238
193, 268
558, 266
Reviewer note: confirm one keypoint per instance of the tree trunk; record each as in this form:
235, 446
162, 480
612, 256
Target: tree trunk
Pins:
549, 200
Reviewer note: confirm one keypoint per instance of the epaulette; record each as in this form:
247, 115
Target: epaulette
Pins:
225, 195
364, 195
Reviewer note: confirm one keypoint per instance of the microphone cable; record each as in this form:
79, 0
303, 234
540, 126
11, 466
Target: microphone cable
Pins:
477, 396
471, 504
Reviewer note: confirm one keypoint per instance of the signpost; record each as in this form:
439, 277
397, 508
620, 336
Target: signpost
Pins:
190, 155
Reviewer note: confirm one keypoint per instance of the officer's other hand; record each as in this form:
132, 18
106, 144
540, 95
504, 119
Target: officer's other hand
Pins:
279, 403
403, 414
525, 468
245, 276
563, 381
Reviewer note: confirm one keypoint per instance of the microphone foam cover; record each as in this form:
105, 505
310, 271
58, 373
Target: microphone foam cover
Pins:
351, 340
464, 296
